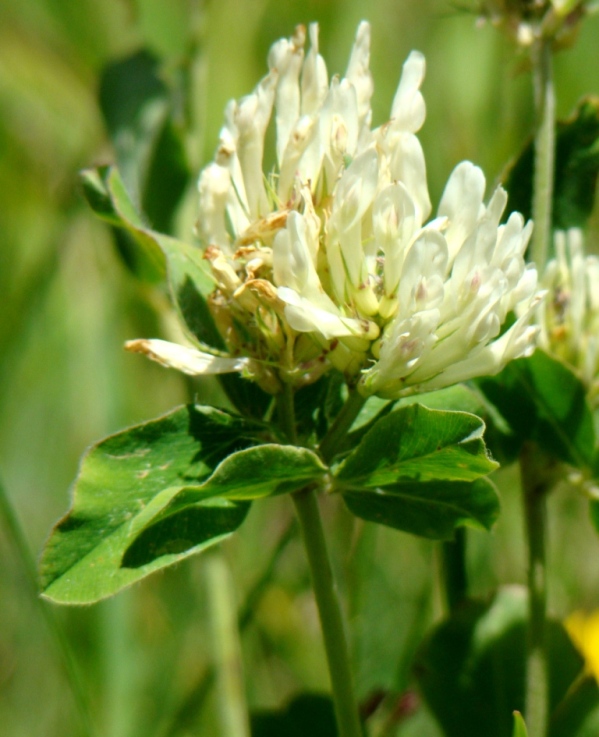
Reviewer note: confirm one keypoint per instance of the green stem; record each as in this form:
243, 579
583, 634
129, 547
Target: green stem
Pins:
535, 486
323, 583
286, 413
544, 150
233, 708
340, 427
329, 609
61, 642
453, 561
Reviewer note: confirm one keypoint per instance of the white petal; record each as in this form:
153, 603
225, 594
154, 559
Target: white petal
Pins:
305, 317
338, 127
462, 203
423, 273
405, 346
292, 256
315, 80
251, 118
214, 187
408, 110
188, 360
358, 72
407, 165
285, 59
355, 190
394, 225
303, 134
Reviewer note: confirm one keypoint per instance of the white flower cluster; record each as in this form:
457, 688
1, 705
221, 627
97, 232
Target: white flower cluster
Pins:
569, 317
332, 260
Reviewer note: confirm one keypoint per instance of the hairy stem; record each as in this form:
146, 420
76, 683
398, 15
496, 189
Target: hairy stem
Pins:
544, 151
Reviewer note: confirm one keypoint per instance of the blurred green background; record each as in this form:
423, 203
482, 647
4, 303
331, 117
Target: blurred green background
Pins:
69, 304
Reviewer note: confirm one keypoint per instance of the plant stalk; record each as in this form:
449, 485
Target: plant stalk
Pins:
544, 171
535, 486
329, 609
323, 582
341, 426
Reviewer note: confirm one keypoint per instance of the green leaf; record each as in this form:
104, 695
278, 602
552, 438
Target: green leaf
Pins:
471, 667
306, 714
577, 715
418, 444
543, 401
124, 482
431, 509
418, 470
106, 195
138, 108
457, 398
519, 726
576, 169
253, 473
189, 274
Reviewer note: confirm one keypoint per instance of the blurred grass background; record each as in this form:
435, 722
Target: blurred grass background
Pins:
69, 304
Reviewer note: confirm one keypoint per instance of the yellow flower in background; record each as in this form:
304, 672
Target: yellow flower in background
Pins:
583, 630
331, 260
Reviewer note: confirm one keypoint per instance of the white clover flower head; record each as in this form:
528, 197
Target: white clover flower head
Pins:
569, 317
332, 260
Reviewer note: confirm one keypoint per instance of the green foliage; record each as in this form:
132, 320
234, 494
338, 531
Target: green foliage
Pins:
578, 714
125, 481
471, 667
576, 169
306, 714
138, 109
65, 298
519, 726
105, 193
543, 401
420, 470
151, 495
153, 253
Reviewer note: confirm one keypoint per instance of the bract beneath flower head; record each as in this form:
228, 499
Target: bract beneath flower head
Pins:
332, 260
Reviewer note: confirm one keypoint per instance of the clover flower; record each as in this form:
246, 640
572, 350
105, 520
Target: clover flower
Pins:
569, 318
332, 260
